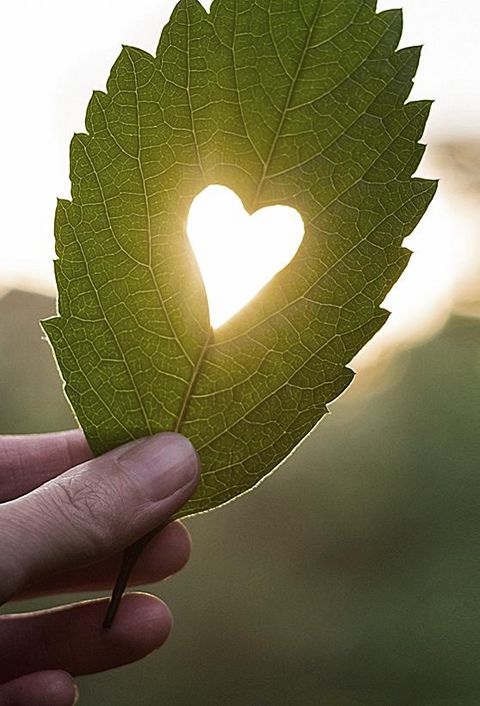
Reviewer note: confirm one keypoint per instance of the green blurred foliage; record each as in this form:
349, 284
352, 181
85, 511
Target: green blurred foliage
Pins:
349, 578
30, 393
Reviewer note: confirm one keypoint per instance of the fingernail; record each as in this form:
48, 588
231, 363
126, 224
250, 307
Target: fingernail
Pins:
77, 695
163, 463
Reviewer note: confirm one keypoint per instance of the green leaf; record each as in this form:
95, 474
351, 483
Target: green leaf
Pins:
299, 103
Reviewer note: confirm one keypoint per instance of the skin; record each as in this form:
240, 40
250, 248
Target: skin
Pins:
64, 520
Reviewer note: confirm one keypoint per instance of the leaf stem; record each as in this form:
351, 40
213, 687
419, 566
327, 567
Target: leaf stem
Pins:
130, 558
132, 554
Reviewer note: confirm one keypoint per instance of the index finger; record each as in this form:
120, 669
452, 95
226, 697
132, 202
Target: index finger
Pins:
27, 462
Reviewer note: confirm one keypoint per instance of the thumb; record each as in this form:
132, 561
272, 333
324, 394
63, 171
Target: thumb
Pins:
95, 509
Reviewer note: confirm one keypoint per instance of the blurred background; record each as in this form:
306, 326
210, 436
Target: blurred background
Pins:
351, 577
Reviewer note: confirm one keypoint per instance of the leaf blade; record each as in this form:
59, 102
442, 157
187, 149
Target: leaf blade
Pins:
314, 118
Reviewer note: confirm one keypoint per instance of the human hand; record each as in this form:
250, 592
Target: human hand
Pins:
64, 520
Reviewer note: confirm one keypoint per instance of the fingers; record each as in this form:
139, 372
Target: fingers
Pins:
49, 688
163, 556
95, 509
72, 638
28, 461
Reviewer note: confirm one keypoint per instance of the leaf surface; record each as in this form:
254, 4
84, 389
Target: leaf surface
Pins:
300, 103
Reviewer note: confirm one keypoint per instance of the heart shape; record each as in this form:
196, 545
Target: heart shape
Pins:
239, 253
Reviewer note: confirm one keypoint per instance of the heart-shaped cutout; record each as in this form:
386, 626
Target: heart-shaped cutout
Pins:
238, 253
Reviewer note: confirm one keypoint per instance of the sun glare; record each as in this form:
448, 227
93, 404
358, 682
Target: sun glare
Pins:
238, 254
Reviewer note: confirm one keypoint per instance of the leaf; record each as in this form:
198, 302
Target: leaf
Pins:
300, 103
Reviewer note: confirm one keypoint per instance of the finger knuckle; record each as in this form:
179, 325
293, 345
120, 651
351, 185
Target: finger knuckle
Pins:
96, 511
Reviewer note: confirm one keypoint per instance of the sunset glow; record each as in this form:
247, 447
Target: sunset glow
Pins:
238, 253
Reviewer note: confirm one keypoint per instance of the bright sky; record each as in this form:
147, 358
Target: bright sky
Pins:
54, 52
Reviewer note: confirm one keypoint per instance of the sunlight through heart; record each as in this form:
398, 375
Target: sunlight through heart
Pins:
238, 253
